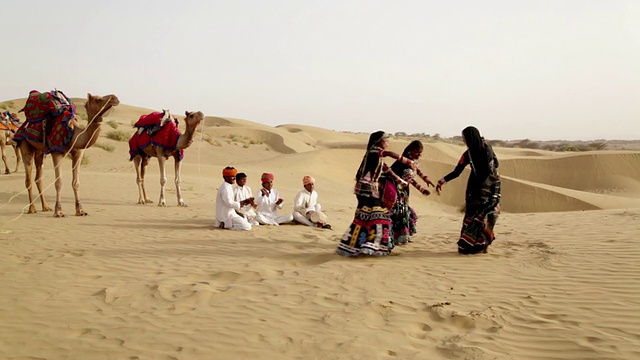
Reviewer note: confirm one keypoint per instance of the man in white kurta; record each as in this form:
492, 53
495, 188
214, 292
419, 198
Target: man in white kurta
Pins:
269, 202
306, 209
226, 206
243, 192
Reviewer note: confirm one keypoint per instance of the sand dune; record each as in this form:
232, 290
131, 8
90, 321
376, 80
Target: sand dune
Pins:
600, 172
141, 281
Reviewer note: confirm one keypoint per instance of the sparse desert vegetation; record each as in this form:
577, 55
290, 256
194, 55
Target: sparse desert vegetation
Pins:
118, 135
555, 145
552, 145
85, 159
211, 140
113, 124
243, 140
7, 105
106, 147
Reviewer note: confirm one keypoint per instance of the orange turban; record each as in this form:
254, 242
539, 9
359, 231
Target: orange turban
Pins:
308, 180
229, 171
266, 177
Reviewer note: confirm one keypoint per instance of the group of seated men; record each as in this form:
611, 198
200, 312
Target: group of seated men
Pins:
238, 209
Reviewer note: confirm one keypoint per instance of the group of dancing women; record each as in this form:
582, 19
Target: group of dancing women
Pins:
383, 217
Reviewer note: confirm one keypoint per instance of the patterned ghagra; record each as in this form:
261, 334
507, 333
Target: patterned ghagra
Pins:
370, 230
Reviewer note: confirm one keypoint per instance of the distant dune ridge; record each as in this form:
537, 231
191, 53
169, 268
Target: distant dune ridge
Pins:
141, 281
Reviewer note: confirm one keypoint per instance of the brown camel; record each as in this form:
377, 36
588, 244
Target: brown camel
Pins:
7, 127
141, 160
82, 139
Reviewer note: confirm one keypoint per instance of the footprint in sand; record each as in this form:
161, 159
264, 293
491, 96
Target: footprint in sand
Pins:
22, 259
420, 330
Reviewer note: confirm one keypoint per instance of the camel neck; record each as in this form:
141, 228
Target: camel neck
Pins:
187, 139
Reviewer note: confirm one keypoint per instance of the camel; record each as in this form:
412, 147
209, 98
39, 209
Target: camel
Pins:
141, 160
7, 127
83, 138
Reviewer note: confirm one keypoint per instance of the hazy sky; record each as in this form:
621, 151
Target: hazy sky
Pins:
515, 69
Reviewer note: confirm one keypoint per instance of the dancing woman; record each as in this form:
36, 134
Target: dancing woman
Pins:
396, 194
370, 230
482, 197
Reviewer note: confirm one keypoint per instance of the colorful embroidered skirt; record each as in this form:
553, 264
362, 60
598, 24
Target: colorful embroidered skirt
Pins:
404, 224
403, 218
370, 231
477, 230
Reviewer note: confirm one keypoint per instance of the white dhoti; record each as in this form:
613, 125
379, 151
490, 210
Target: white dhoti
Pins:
311, 218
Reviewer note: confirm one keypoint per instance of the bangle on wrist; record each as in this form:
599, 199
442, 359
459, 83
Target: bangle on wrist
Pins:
405, 160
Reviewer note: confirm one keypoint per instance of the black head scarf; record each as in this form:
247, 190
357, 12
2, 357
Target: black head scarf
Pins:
478, 151
374, 139
414, 145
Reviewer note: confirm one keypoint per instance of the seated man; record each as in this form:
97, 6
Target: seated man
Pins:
226, 215
306, 209
269, 202
243, 192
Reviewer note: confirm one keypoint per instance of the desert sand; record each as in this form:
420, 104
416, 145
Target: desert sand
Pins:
134, 281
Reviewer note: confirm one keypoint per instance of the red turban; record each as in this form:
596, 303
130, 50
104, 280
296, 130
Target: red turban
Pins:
308, 180
266, 177
229, 171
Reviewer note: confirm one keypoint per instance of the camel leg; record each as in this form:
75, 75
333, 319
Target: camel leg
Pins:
137, 163
76, 160
4, 156
57, 162
178, 165
142, 191
163, 179
18, 157
39, 162
27, 158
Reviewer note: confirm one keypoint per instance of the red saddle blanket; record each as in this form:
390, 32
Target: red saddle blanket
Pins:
49, 116
153, 130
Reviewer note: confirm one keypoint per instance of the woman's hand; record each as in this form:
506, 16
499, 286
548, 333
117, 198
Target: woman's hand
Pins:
439, 186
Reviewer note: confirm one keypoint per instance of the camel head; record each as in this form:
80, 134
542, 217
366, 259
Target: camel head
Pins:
193, 119
97, 106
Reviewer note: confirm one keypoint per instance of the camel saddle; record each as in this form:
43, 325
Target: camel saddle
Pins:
153, 122
158, 129
49, 116
8, 125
